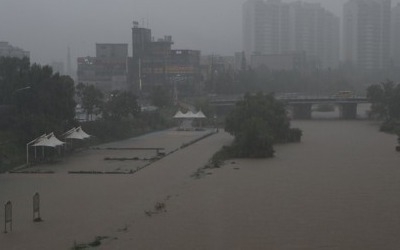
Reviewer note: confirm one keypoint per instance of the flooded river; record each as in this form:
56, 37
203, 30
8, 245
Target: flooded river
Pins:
337, 189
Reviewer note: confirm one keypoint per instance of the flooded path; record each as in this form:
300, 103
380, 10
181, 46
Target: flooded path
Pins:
337, 189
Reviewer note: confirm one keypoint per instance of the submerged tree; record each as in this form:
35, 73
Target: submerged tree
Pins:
160, 97
257, 123
385, 99
91, 99
121, 105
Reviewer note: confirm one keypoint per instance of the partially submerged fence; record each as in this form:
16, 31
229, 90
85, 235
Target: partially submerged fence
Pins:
8, 216
8, 213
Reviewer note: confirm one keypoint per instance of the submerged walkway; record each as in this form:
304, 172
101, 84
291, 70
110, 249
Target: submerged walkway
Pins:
337, 189
77, 208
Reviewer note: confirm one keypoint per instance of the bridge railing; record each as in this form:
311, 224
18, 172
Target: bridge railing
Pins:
300, 99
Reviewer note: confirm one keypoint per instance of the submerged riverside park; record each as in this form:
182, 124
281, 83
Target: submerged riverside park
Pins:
334, 190
247, 186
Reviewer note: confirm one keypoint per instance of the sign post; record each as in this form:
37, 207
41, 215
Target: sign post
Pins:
8, 216
36, 208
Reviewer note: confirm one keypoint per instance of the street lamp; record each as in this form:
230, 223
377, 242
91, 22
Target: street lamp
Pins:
21, 89
215, 123
16, 96
18, 91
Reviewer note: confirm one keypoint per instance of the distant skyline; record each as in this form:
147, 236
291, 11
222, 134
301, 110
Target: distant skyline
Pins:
47, 28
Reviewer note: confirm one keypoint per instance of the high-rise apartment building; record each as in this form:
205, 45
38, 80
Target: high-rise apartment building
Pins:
315, 32
395, 37
366, 33
273, 27
265, 27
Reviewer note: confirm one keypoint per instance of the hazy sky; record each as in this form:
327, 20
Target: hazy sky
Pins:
47, 27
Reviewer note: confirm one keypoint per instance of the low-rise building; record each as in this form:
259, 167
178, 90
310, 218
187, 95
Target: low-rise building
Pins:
108, 71
7, 50
155, 63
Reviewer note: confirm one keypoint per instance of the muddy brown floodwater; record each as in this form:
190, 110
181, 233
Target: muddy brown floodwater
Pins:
337, 189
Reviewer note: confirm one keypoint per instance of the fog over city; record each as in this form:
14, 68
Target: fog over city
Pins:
207, 124
47, 27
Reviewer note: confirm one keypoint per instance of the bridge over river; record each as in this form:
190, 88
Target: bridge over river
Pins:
300, 106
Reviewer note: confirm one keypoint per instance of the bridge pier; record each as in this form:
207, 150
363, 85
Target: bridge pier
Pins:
348, 111
302, 111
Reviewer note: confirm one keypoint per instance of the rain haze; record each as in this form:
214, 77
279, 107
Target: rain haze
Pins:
146, 146
47, 27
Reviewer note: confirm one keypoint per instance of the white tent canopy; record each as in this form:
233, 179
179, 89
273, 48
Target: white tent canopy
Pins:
76, 133
45, 140
200, 115
37, 140
54, 140
68, 133
49, 140
82, 133
189, 115
179, 114
187, 119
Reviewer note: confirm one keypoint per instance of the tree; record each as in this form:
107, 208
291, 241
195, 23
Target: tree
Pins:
160, 97
257, 123
13, 76
48, 105
33, 101
385, 99
121, 105
40, 100
91, 98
